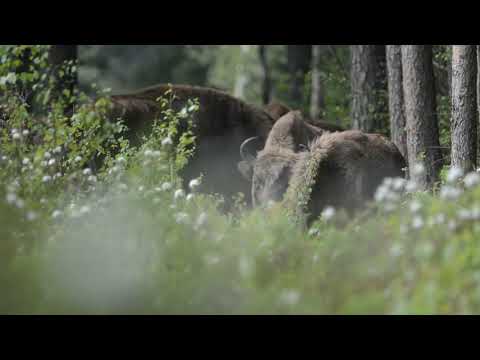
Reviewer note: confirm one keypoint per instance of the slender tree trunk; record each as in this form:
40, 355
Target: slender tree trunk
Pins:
299, 59
464, 107
420, 114
267, 82
395, 98
317, 102
363, 80
64, 57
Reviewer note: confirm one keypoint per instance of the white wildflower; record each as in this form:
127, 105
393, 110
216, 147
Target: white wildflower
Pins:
454, 173
16, 136
195, 183
11, 198
450, 193
46, 178
14, 131
47, 155
31, 215
202, 220
418, 169
57, 150
84, 209
179, 193
51, 162
417, 222
77, 158
87, 171
167, 142
141, 188
148, 153
415, 206
411, 186
92, 178
471, 179
464, 214
328, 213
19, 203
388, 181
452, 225
56, 214
399, 183
25, 132
121, 160
190, 197
313, 232
26, 161
290, 297
166, 186
181, 218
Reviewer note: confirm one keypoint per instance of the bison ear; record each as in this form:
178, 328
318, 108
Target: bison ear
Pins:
246, 169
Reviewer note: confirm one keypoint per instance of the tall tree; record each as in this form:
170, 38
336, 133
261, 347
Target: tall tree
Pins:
464, 107
420, 113
267, 81
363, 79
63, 60
298, 59
395, 98
317, 102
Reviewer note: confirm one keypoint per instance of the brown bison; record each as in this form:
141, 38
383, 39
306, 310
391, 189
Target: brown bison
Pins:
220, 126
341, 169
222, 123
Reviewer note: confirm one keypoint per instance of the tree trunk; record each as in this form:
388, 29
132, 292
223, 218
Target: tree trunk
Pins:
464, 107
317, 101
363, 80
64, 57
298, 58
420, 114
267, 82
395, 99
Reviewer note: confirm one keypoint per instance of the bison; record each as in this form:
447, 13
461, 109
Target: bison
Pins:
222, 123
340, 169
220, 126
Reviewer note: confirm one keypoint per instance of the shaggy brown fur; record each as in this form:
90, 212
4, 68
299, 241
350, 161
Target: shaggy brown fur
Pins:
351, 165
221, 125
276, 110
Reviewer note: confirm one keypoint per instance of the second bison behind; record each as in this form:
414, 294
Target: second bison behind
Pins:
341, 169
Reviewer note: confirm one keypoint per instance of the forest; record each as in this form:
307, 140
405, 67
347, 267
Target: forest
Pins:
239, 179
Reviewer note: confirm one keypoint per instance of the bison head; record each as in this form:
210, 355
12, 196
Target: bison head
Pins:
270, 170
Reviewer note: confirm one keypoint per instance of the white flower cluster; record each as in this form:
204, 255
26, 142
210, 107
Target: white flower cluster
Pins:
328, 213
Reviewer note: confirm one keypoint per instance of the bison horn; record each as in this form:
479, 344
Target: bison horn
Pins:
243, 154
